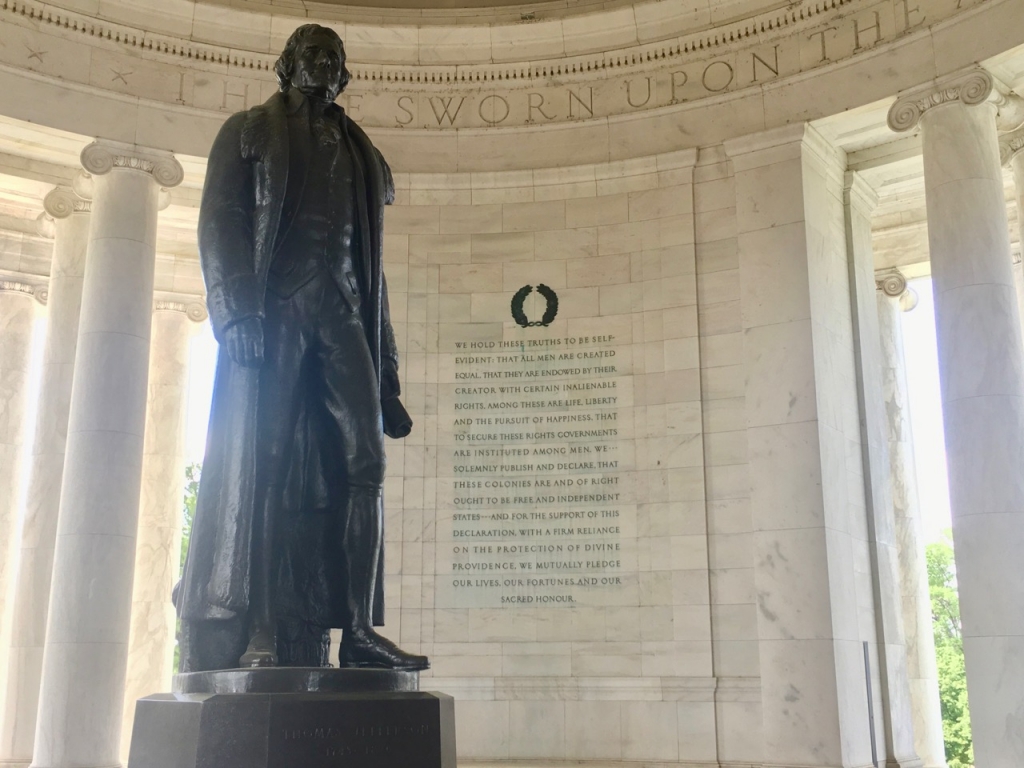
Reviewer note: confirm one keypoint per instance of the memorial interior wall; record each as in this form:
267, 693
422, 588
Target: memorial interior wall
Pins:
570, 529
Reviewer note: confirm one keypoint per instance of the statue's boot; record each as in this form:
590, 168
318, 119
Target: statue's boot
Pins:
261, 651
361, 646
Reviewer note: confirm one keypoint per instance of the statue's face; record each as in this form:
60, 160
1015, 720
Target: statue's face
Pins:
319, 62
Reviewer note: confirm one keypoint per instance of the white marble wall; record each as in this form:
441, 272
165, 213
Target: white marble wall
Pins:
630, 679
727, 469
811, 553
759, 577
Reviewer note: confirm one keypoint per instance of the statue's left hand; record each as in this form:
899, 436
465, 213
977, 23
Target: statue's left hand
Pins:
244, 341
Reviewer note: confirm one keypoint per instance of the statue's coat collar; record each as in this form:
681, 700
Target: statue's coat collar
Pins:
295, 100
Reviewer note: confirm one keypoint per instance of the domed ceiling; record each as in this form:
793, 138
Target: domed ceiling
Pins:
702, 14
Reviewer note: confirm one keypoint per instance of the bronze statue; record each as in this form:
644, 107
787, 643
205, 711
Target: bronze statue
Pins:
287, 540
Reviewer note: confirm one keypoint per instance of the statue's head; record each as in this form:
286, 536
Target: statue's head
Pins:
313, 61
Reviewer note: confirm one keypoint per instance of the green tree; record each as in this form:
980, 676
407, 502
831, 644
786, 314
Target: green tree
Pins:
188, 512
949, 652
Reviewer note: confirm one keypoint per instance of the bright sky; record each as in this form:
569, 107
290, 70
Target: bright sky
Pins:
922, 381
921, 356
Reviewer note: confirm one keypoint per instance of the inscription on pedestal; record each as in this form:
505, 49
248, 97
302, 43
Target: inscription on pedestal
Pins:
541, 457
356, 734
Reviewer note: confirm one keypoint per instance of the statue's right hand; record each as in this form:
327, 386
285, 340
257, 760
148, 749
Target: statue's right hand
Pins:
244, 341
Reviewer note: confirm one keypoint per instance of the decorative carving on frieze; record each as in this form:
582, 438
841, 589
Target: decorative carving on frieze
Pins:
102, 157
194, 310
1010, 145
970, 89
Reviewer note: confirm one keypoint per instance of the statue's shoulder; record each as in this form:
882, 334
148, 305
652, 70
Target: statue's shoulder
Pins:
254, 129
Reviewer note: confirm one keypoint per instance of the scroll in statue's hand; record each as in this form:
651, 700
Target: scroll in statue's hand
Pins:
244, 341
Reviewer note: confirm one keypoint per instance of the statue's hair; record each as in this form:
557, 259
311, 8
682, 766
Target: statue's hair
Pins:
285, 65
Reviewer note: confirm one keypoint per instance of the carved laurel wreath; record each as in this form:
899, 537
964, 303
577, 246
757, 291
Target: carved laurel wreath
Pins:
520, 298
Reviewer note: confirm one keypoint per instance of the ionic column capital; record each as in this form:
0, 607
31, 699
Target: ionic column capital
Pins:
893, 284
103, 156
1011, 145
61, 202
968, 88
193, 307
37, 291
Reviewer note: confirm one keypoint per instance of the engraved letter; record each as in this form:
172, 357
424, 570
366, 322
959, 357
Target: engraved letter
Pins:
440, 105
589, 107
877, 26
539, 106
707, 69
352, 103
907, 10
494, 109
774, 70
629, 93
232, 93
824, 57
181, 89
405, 109
678, 84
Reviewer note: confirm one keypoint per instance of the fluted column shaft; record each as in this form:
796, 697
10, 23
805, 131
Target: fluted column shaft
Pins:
85, 655
17, 315
32, 593
981, 372
915, 600
158, 549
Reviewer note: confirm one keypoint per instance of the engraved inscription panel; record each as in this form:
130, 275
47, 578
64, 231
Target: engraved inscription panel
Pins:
537, 473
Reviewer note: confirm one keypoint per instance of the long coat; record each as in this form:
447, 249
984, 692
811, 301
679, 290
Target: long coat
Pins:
239, 221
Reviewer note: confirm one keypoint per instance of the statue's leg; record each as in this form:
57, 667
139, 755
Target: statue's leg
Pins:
301, 644
210, 644
285, 344
353, 402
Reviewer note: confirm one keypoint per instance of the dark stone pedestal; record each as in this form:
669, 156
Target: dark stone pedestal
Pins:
294, 718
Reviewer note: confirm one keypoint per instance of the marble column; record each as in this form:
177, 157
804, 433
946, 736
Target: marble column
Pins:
31, 597
893, 298
86, 650
811, 547
883, 554
158, 549
981, 373
17, 316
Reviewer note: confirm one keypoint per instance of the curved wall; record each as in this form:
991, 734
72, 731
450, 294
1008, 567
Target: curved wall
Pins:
585, 89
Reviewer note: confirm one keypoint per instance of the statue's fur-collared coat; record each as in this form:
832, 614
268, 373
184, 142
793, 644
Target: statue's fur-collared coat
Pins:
239, 221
